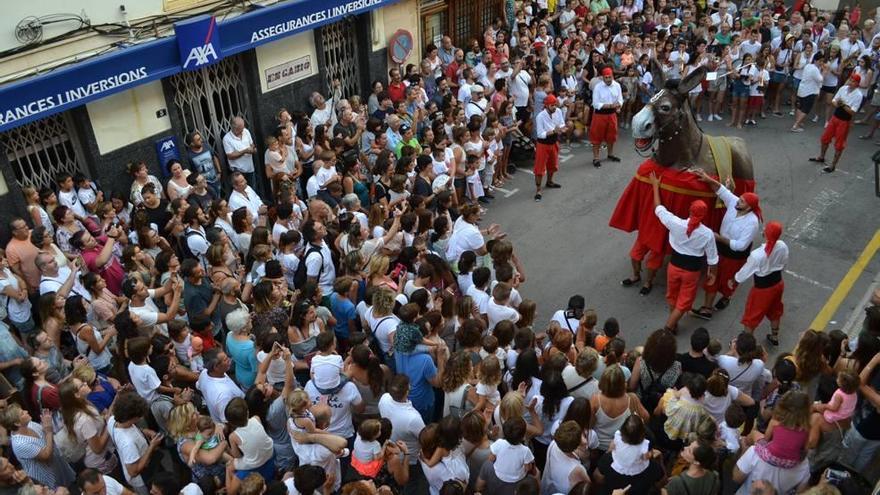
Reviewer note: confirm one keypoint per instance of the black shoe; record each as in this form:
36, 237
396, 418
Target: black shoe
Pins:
773, 338
828, 170
722, 303
703, 313
613, 158
629, 282
538, 198
483, 200
645, 290
488, 195
511, 169
553, 185
597, 163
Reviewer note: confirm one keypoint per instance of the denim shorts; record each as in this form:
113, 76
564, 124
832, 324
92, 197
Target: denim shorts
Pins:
794, 82
740, 89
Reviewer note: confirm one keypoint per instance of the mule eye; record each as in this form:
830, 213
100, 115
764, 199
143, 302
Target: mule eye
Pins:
665, 107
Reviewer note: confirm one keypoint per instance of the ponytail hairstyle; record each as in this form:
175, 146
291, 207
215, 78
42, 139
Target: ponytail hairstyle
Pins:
785, 373
718, 382
362, 356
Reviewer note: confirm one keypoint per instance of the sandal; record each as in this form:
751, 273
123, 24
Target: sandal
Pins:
817, 160
597, 163
773, 337
629, 282
704, 313
613, 158
828, 170
645, 290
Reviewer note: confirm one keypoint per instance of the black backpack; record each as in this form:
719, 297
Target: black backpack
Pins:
183, 250
300, 276
653, 392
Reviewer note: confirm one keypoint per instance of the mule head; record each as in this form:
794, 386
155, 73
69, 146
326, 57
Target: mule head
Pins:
667, 110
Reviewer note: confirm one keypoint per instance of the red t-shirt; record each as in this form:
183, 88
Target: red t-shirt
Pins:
397, 91
49, 396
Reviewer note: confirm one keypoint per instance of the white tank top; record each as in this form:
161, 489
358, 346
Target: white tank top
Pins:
256, 446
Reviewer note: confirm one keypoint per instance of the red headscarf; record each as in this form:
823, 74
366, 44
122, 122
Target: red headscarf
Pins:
751, 199
607, 72
698, 212
772, 231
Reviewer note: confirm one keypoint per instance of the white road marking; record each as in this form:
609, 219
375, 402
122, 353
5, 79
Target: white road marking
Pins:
844, 172
526, 170
507, 193
565, 158
809, 281
804, 226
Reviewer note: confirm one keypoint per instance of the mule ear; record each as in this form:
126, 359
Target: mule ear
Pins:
659, 77
691, 80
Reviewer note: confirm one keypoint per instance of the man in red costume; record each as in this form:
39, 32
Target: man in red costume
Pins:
549, 123
741, 222
765, 264
607, 100
693, 245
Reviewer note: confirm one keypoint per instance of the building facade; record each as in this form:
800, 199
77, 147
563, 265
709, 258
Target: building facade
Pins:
94, 99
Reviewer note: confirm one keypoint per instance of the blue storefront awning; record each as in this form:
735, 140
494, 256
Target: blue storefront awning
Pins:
193, 45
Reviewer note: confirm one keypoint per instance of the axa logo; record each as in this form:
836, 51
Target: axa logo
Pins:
200, 55
167, 145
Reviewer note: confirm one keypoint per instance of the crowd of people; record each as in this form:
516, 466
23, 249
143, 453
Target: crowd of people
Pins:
339, 320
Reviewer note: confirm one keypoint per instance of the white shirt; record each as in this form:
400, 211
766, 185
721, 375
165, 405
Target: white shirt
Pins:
545, 122
52, 284
738, 229
249, 199
510, 460
559, 470
452, 467
149, 314
762, 265
499, 312
406, 423
783, 480
198, 244
717, 19
811, 81
852, 99
232, 144
750, 47
743, 376
340, 404
700, 243
71, 200
604, 94
465, 237
113, 487
848, 48
318, 455
476, 107
324, 174
519, 88
717, 406
480, 297
382, 327
131, 445
145, 380
314, 263
568, 323
323, 116
217, 393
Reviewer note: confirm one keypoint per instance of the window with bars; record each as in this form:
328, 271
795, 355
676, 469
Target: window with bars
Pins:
206, 99
470, 18
40, 150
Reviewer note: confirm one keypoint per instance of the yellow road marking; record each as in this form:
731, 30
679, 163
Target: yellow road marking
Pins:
846, 284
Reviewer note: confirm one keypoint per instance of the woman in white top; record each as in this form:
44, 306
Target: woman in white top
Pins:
459, 393
743, 365
89, 340
251, 447
447, 435
720, 394
564, 469
86, 426
39, 215
831, 79
138, 171
178, 187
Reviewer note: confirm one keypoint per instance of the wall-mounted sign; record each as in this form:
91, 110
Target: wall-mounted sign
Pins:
288, 72
401, 46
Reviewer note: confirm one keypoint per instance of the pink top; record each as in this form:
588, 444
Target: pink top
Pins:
846, 409
787, 443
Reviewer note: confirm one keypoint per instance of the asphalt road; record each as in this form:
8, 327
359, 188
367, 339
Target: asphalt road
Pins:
567, 247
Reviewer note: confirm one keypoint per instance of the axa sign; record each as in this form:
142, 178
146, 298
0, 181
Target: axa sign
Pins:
198, 41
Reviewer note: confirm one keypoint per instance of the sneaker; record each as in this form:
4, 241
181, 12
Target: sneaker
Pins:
710, 118
777, 114
718, 117
791, 113
814, 119
797, 129
699, 118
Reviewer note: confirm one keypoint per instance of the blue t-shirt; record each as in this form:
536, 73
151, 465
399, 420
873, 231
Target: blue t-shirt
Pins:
344, 311
419, 368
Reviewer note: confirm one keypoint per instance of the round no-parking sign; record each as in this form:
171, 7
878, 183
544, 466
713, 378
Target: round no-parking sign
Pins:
401, 46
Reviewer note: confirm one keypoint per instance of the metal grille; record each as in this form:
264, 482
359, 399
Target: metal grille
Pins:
207, 98
433, 28
339, 41
41, 150
470, 18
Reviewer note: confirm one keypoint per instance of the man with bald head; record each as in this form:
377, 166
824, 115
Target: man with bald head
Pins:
60, 279
239, 147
